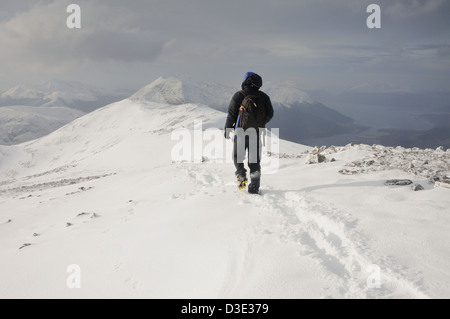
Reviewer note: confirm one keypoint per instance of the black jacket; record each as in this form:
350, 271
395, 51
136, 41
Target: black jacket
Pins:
238, 98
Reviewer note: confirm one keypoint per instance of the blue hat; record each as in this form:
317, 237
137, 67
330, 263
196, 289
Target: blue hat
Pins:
247, 75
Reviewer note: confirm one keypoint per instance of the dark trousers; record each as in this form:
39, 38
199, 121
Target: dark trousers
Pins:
247, 145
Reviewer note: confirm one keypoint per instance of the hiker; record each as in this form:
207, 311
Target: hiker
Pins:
249, 111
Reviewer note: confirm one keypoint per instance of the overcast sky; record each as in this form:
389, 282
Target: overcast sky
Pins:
319, 44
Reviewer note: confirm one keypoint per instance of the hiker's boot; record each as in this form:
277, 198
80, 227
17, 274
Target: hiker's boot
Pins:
255, 184
242, 181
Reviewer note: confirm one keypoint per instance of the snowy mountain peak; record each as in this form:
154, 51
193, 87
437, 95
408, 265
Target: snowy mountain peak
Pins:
176, 91
163, 90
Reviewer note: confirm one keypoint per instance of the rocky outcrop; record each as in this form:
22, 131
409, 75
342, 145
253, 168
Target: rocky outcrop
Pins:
417, 187
398, 182
430, 164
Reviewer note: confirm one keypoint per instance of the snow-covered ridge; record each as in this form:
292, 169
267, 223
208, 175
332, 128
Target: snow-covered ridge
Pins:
288, 95
176, 91
90, 136
179, 90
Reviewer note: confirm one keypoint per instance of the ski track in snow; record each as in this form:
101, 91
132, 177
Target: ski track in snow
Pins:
332, 238
329, 236
50, 185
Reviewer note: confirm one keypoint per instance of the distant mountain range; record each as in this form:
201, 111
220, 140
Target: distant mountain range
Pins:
30, 112
34, 111
297, 115
71, 94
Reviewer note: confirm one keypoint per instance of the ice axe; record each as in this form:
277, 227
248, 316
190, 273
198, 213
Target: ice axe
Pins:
237, 123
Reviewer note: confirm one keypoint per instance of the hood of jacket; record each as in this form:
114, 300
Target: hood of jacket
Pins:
252, 82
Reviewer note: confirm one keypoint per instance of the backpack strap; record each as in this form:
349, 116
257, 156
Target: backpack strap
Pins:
241, 108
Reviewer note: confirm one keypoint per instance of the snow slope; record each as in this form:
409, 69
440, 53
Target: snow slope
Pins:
20, 124
103, 193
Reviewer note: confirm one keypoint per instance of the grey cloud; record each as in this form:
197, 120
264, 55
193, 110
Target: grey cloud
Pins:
121, 46
444, 51
46, 42
411, 8
288, 39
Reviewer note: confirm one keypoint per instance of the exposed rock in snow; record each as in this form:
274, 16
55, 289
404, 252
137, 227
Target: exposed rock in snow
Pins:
398, 182
417, 187
443, 182
316, 158
433, 165
347, 172
24, 246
